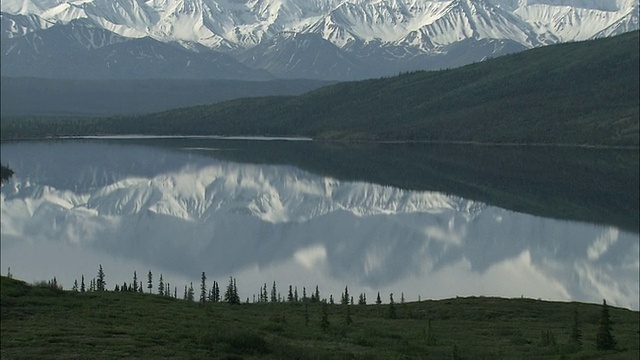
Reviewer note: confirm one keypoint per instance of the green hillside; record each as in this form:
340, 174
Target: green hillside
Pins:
576, 93
41, 322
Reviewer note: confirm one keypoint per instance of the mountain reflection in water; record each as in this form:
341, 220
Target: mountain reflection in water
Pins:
191, 206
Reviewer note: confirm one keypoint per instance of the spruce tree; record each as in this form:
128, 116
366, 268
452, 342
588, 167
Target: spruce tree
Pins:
604, 338
203, 288
149, 281
362, 299
317, 294
216, 292
304, 294
82, 287
236, 297
161, 286
331, 299
295, 294
345, 297
190, 293
378, 300
290, 295
135, 281
265, 295
100, 285
75, 285
231, 295
274, 293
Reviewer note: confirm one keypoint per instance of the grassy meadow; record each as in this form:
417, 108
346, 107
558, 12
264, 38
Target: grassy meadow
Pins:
43, 322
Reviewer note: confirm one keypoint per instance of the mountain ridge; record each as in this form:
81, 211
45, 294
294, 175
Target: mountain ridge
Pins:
385, 37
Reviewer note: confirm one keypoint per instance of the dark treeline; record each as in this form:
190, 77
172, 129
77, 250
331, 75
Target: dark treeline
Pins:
209, 291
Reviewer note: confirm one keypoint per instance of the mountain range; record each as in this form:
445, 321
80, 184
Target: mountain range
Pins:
264, 39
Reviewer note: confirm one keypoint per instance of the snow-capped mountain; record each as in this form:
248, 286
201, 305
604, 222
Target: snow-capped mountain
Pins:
362, 38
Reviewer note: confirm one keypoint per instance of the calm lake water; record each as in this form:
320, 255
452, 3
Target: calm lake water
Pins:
426, 221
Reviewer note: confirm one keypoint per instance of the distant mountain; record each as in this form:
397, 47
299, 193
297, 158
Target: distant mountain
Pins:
78, 51
321, 39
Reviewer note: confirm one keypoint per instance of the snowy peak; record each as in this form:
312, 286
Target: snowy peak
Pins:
421, 32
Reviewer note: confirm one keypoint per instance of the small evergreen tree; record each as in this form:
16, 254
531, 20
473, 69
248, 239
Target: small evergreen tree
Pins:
604, 338
190, 293
100, 284
274, 293
9, 274
290, 295
82, 287
203, 288
265, 295
184, 297
345, 297
304, 294
331, 299
116, 288
378, 299
362, 299
135, 282
317, 294
231, 295
216, 292
161, 286
75, 285
295, 294
149, 281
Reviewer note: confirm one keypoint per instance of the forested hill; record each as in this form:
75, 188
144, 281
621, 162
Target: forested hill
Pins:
576, 93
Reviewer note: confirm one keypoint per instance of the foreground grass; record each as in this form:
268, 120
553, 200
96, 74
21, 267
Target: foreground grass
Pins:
38, 322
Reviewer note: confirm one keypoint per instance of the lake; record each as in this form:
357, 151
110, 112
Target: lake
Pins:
416, 220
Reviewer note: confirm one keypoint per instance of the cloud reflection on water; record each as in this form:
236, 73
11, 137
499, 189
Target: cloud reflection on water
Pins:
74, 205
